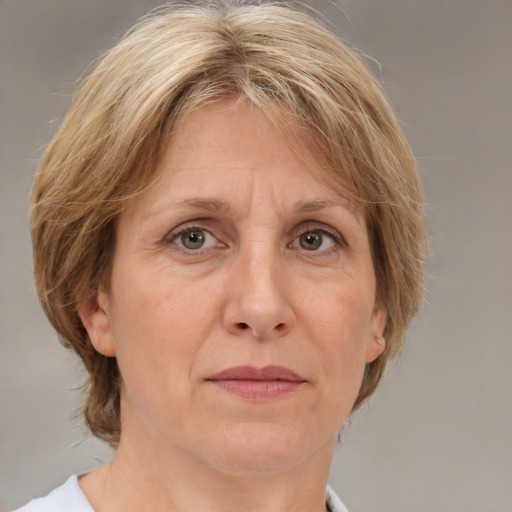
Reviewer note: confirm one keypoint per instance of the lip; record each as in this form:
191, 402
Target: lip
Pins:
260, 384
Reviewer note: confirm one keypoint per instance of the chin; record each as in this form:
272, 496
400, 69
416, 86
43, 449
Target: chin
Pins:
267, 449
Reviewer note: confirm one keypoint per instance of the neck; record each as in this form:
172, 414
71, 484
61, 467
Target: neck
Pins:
172, 481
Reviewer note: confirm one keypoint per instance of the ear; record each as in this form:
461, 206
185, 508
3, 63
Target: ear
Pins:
376, 344
94, 314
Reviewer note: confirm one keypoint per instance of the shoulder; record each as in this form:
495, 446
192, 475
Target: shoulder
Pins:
66, 498
70, 498
334, 504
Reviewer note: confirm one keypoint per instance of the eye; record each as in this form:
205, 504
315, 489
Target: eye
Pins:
194, 239
315, 240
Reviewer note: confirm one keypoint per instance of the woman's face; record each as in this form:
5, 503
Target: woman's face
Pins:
242, 301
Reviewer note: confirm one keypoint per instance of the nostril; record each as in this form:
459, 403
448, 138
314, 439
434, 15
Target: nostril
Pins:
280, 327
243, 325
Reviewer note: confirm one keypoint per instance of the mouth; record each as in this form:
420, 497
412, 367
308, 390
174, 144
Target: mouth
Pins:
260, 384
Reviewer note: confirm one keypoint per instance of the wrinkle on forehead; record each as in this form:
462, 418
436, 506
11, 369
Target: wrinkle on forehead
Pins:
201, 134
303, 140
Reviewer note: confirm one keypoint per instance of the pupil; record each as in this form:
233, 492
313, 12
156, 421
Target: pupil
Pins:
193, 239
311, 241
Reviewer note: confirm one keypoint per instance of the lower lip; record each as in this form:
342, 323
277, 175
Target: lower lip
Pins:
258, 389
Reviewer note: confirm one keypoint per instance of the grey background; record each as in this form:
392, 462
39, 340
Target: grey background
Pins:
437, 435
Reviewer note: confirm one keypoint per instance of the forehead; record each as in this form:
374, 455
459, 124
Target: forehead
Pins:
229, 156
233, 132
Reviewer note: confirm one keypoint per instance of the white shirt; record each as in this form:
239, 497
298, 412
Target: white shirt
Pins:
70, 498
66, 498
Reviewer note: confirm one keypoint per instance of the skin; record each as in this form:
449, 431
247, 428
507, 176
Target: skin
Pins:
284, 277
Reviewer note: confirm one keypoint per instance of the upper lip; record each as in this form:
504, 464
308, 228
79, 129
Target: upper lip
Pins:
252, 373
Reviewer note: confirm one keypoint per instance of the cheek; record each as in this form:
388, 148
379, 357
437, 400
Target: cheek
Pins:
159, 325
340, 326
340, 319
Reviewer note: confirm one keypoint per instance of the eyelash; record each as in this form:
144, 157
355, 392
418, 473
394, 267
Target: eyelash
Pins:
337, 239
176, 235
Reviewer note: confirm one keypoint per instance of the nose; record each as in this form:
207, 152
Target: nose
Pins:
258, 302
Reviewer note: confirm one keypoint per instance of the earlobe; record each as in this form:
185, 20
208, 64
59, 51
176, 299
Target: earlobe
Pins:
94, 313
377, 343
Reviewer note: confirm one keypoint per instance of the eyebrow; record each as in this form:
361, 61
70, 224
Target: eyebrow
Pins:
212, 205
209, 205
320, 204
205, 204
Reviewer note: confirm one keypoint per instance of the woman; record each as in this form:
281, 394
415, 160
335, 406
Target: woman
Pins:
228, 230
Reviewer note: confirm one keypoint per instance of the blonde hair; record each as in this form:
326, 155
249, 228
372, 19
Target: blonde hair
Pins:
171, 62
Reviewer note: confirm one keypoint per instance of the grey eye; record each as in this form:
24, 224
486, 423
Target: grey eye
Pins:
315, 240
193, 239
311, 240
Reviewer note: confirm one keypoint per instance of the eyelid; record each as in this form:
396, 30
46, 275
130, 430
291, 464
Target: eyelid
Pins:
189, 225
208, 239
325, 235
192, 225
322, 228
206, 225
